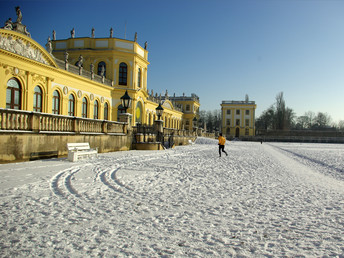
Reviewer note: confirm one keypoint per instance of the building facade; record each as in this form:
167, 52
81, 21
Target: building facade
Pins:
80, 76
238, 118
189, 105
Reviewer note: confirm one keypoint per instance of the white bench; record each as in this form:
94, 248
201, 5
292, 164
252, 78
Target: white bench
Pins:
80, 149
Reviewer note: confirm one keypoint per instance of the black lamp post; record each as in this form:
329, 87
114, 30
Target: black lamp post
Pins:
159, 111
194, 122
126, 101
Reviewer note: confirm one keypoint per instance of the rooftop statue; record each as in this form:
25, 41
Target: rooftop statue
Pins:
72, 33
49, 46
19, 14
9, 24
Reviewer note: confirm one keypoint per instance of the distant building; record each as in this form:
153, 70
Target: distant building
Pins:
238, 118
189, 105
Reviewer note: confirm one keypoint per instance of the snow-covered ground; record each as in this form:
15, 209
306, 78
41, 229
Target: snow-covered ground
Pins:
270, 199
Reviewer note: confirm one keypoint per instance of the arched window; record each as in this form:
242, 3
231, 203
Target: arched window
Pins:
123, 74
71, 105
100, 66
138, 113
139, 78
13, 94
37, 99
84, 108
56, 102
106, 111
96, 110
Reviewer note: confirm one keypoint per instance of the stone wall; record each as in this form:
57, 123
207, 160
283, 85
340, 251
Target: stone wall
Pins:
26, 146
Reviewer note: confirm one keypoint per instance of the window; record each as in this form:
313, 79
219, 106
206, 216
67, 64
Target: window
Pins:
238, 111
106, 111
71, 105
228, 122
84, 108
101, 66
228, 111
139, 78
247, 122
247, 131
247, 112
138, 113
187, 107
56, 102
237, 122
13, 94
123, 71
95, 110
37, 99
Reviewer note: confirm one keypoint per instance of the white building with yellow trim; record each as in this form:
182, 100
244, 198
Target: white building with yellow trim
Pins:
238, 118
82, 77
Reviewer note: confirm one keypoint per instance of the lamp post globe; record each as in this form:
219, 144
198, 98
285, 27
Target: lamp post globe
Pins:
159, 110
126, 101
194, 122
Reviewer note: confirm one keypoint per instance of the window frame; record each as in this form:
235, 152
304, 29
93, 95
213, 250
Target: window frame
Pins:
37, 98
71, 104
106, 111
123, 74
84, 107
56, 103
96, 109
139, 74
13, 91
100, 65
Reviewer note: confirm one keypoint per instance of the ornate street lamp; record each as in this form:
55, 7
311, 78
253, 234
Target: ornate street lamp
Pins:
159, 111
126, 101
194, 122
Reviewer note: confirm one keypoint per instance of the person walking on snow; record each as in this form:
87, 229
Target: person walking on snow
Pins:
222, 141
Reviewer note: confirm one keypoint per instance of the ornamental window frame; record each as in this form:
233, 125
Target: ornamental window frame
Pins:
13, 94
38, 99
56, 102
123, 74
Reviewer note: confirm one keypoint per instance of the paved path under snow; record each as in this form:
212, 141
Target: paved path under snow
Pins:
263, 199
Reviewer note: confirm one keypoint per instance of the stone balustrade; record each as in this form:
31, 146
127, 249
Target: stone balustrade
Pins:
20, 120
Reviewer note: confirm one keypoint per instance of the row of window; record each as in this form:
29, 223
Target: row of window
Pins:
123, 73
13, 101
228, 131
237, 122
247, 112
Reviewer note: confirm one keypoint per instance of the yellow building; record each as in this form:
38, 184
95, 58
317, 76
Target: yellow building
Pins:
238, 118
82, 77
189, 105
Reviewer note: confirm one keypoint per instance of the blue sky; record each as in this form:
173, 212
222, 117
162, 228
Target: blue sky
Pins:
219, 50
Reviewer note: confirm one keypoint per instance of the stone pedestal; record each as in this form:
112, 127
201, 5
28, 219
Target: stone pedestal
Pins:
125, 118
20, 28
159, 130
158, 126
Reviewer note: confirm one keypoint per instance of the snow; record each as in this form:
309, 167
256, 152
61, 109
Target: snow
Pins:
270, 199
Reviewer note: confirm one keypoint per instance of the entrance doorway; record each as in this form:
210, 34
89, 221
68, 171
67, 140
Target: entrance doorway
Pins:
237, 132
